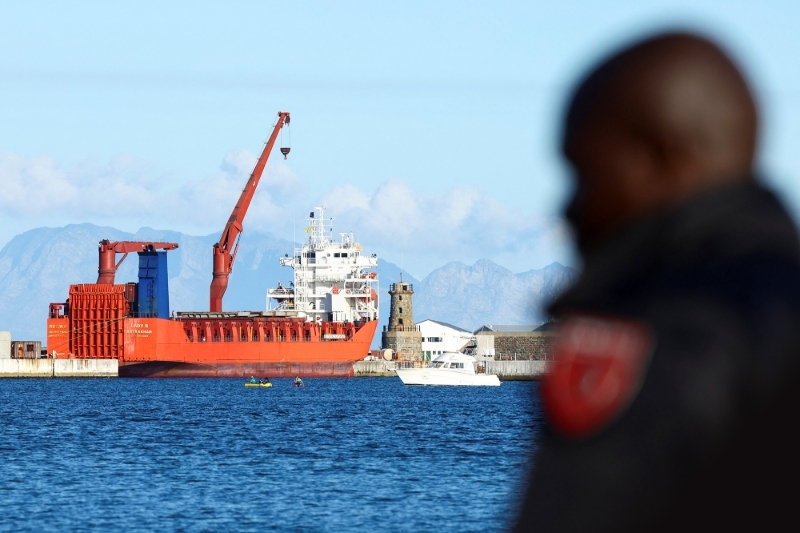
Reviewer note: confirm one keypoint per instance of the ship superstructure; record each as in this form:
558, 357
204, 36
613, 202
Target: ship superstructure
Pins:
332, 281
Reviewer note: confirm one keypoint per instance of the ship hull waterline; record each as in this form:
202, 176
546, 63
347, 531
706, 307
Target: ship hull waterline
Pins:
166, 369
159, 348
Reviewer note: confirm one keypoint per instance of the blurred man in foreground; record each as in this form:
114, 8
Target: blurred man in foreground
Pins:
673, 399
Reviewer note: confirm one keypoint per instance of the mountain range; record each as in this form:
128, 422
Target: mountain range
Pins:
37, 267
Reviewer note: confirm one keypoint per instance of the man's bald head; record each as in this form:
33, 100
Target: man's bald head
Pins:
656, 124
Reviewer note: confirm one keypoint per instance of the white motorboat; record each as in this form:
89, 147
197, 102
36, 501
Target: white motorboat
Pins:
449, 368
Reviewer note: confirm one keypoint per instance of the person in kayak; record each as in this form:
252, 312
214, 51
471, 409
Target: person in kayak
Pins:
298, 382
264, 381
253, 379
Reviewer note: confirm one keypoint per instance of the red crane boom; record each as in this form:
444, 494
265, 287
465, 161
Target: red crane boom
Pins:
108, 251
223, 257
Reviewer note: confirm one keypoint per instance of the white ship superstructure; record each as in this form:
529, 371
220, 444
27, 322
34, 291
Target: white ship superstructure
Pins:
332, 281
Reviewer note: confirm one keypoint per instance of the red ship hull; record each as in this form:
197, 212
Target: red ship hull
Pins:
236, 370
97, 326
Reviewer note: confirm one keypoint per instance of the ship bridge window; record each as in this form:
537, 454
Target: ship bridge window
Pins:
337, 254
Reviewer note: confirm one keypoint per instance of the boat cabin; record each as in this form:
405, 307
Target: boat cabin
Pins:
455, 361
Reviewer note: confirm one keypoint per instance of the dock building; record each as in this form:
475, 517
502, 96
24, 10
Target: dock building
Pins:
516, 342
438, 337
5, 345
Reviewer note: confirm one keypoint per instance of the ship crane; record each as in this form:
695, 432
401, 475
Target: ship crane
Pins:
108, 251
224, 251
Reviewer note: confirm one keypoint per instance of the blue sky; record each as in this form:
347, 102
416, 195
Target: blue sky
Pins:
428, 128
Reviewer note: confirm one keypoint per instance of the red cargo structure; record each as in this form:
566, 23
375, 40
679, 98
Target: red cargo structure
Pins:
96, 321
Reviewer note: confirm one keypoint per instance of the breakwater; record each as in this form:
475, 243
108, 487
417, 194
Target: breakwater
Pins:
59, 368
372, 369
68, 368
516, 370
505, 370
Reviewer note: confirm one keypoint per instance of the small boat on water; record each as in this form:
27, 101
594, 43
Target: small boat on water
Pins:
249, 384
450, 368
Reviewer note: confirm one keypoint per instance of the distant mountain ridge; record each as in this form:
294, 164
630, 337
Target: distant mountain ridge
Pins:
37, 267
487, 293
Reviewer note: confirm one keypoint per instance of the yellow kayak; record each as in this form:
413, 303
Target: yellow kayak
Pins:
258, 384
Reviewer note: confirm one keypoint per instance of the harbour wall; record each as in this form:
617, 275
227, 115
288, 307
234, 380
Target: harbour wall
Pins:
78, 368
505, 370
59, 368
516, 370
372, 369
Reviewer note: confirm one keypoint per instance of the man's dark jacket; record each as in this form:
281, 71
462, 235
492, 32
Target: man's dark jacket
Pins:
709, 439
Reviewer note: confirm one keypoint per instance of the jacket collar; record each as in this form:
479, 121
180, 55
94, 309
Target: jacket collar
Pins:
734, 221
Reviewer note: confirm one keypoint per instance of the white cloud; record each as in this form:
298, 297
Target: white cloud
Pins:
33, 185
462, 223
429, 229
128, 191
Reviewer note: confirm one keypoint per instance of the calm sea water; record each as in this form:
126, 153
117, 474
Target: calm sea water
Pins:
366, 454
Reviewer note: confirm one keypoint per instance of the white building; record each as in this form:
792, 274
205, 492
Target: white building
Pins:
5, 344
438, 337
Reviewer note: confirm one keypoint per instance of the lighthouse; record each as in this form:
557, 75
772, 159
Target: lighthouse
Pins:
401, 335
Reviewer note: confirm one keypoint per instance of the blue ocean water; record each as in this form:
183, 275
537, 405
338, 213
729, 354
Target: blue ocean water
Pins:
365, 454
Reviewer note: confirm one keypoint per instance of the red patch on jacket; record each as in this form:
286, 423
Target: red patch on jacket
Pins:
598, 368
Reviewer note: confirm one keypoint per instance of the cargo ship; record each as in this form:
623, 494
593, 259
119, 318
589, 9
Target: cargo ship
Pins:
318, 326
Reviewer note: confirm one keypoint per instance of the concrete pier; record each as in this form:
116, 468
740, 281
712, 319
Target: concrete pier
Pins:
59, 368
373, 369
516, 370
505, 370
